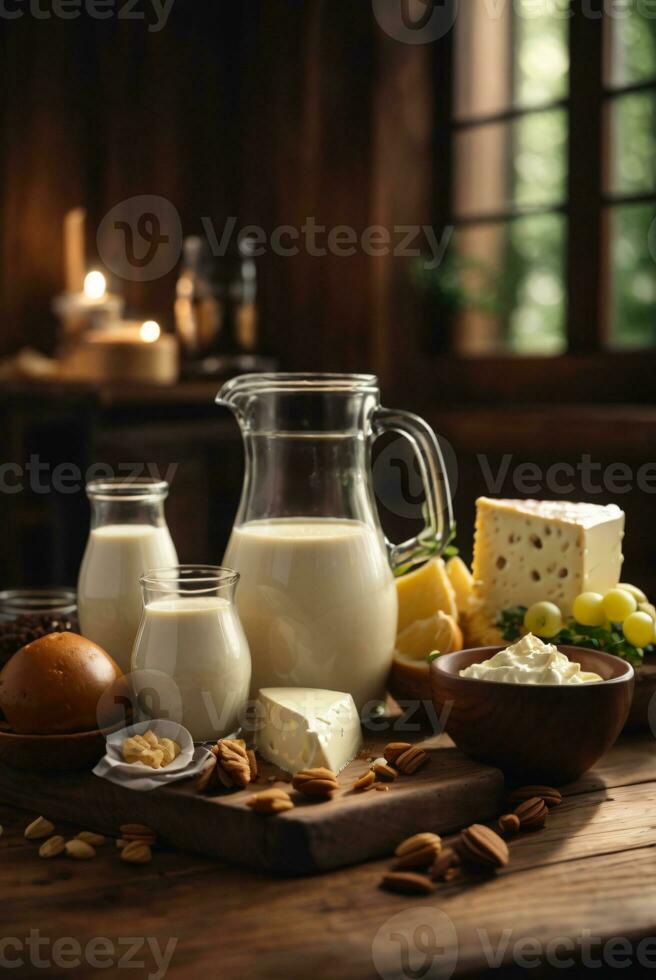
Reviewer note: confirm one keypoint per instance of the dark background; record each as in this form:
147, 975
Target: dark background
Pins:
271, 112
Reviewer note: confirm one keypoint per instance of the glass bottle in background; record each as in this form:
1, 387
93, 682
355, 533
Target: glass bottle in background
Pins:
216, 312
128, 537
191, 661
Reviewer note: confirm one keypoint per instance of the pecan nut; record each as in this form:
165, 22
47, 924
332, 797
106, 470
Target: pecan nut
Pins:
315, 782
411, 760
418, 851
270, 801
407, 883
482, 847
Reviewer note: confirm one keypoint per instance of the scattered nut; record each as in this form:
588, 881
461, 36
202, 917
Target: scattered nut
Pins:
446, 859
136, 852
482, 847
38, 829
509, 824
89, 837
532, 813
407, 883
270, 801
381, 787
411, 760
365, 780
207, 778
453, 874
79, 850
315, 782
418, 851
394, 749
548, 794
233, 766
383, 771
52, 847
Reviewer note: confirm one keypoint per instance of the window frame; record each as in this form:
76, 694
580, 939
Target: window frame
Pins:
589, 370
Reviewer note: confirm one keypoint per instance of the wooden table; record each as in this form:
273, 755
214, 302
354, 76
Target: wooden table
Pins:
587, 879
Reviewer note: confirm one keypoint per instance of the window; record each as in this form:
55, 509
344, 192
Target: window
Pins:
551, 178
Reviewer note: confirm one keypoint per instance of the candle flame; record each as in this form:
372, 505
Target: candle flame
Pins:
95, 285
150, 331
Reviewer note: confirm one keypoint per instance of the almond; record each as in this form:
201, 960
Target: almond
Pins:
394, 749
532, 813
417, 851
79, 850
315, 782
385, 772
136, 852
365, 780
407, 883
52, 847
89, 837
548, 794
411, 760
509, 824
38, 829
270, 801
482, 847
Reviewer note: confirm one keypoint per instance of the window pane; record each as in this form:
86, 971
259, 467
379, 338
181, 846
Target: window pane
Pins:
632, 45
541, 52
506, 283
509, 55
506, 165
633, 143
633, 270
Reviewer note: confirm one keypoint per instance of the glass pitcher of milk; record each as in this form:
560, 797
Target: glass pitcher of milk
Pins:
317, 597
128, 537
191, 661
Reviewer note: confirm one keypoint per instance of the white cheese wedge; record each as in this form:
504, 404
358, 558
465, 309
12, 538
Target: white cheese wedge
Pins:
301, 727
526, 551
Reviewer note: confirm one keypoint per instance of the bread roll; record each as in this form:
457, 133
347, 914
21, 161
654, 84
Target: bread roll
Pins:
52, 686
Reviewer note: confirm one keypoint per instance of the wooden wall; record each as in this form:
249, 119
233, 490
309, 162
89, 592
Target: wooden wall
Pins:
269, 110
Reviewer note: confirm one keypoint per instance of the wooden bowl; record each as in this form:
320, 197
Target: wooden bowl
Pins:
534, 733
52, 753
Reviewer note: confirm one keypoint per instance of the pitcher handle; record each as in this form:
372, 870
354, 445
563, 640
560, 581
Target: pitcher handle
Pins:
438, 511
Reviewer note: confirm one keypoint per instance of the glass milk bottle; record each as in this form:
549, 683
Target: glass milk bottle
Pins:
128, 537
191, 661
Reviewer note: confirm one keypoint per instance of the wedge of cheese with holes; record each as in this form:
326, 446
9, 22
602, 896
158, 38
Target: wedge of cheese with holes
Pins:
526, 551
304, 727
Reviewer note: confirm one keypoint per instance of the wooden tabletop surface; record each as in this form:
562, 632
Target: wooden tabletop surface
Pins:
584, 887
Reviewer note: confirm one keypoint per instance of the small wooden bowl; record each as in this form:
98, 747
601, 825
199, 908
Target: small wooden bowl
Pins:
534, 733
52, 753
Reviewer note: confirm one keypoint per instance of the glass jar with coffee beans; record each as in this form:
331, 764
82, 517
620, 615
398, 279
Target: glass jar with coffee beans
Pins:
27, 614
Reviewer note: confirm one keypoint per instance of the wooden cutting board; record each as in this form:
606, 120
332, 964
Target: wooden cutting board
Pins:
449, 792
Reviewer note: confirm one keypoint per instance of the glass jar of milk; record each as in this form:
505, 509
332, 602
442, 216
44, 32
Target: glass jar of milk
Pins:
191, 661
128, 537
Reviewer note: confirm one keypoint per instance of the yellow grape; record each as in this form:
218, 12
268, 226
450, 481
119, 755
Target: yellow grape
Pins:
638, 628
618, 604
588, 609
544, 619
